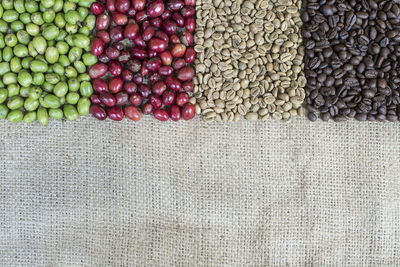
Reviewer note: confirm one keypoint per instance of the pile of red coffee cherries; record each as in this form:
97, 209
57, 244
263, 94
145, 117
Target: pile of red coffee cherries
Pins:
145, 51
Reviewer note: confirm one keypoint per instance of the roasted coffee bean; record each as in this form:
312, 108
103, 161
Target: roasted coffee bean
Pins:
371, 74
352, 55
350, 20
361, 117
325, 116
310, 44
312, 116
314, 63
369, 93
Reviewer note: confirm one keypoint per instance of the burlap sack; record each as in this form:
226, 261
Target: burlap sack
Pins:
192, 194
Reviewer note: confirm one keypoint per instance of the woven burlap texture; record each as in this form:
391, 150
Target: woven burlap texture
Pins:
194, 194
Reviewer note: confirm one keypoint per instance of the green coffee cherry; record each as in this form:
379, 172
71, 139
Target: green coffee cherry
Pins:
43, 116
30, 117
15, 116
56, 113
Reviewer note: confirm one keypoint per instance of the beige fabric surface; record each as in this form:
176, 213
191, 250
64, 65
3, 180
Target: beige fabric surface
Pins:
195, 194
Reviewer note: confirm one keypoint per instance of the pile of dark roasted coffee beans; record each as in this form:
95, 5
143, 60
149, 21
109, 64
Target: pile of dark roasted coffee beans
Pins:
352, 59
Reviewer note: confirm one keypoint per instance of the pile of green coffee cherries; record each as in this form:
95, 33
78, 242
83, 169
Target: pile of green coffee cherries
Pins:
44, 56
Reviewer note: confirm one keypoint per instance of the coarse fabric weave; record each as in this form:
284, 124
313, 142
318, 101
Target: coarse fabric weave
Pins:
91, 193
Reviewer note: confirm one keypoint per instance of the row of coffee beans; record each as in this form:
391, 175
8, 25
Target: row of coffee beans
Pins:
253, 59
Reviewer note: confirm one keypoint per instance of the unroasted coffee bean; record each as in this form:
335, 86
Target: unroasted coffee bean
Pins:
250, 61
352, 53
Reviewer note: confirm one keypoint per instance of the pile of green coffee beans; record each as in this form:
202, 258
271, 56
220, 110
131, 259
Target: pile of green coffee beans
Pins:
44, 56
